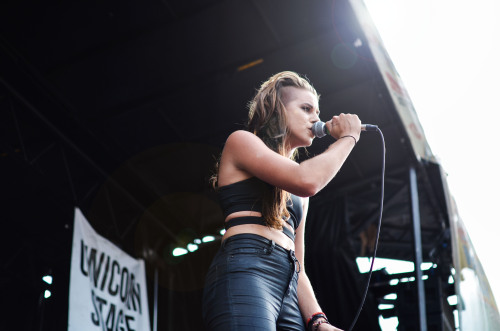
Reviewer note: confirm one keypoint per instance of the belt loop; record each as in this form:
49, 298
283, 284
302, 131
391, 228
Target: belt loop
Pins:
272, 245
296, 269
296, 262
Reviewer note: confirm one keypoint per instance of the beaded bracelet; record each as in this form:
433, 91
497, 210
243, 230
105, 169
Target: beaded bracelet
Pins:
355, 141
316, 325
313, 318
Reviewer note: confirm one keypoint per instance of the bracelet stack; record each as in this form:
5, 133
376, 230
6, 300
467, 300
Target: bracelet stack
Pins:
316, 320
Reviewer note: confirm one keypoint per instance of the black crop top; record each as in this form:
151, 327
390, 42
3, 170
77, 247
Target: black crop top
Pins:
246, 195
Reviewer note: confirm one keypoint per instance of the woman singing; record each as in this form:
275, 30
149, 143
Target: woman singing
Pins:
257, 280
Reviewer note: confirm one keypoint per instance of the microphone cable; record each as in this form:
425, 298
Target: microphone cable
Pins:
381, 210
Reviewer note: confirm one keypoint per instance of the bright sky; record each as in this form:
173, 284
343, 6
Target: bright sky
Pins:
447, 53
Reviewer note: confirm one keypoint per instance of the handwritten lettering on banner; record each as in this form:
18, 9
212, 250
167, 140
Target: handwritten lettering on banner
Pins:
107, 286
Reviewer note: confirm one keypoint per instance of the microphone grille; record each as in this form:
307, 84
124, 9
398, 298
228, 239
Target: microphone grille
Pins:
318, 129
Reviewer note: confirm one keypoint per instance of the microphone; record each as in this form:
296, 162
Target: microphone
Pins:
320, 130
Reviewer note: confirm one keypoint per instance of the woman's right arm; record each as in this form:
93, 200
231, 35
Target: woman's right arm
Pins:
246, 154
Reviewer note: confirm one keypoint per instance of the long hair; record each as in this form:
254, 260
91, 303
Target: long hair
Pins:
267, 120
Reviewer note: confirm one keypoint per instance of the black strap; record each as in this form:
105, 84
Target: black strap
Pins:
289, 233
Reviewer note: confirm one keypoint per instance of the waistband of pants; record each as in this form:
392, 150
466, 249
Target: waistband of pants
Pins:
251, 237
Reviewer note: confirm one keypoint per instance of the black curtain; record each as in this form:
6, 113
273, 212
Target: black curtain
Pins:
330, 262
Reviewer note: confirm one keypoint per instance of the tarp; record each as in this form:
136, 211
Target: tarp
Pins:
107, 286
394, 83
477, 306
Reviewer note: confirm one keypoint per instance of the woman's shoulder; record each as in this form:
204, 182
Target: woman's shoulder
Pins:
242, 137
241, 134
234, 159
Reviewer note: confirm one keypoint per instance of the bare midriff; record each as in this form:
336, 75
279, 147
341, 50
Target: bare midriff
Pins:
270, 233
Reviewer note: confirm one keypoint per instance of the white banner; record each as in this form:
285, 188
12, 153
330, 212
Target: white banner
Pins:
107, 289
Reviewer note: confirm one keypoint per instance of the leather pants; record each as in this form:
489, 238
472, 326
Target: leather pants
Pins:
252, 285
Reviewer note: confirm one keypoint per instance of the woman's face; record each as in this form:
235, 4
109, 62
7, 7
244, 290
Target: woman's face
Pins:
302, 112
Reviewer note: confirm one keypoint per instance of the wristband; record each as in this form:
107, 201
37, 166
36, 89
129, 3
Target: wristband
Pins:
318, 323
313, 318
355, 141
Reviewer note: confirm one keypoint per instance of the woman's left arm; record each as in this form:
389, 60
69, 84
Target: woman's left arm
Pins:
308, 303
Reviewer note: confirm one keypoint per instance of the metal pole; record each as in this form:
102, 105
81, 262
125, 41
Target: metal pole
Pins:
415, 211
155, 308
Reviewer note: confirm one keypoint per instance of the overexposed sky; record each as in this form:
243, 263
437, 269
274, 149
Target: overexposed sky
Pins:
447, 53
